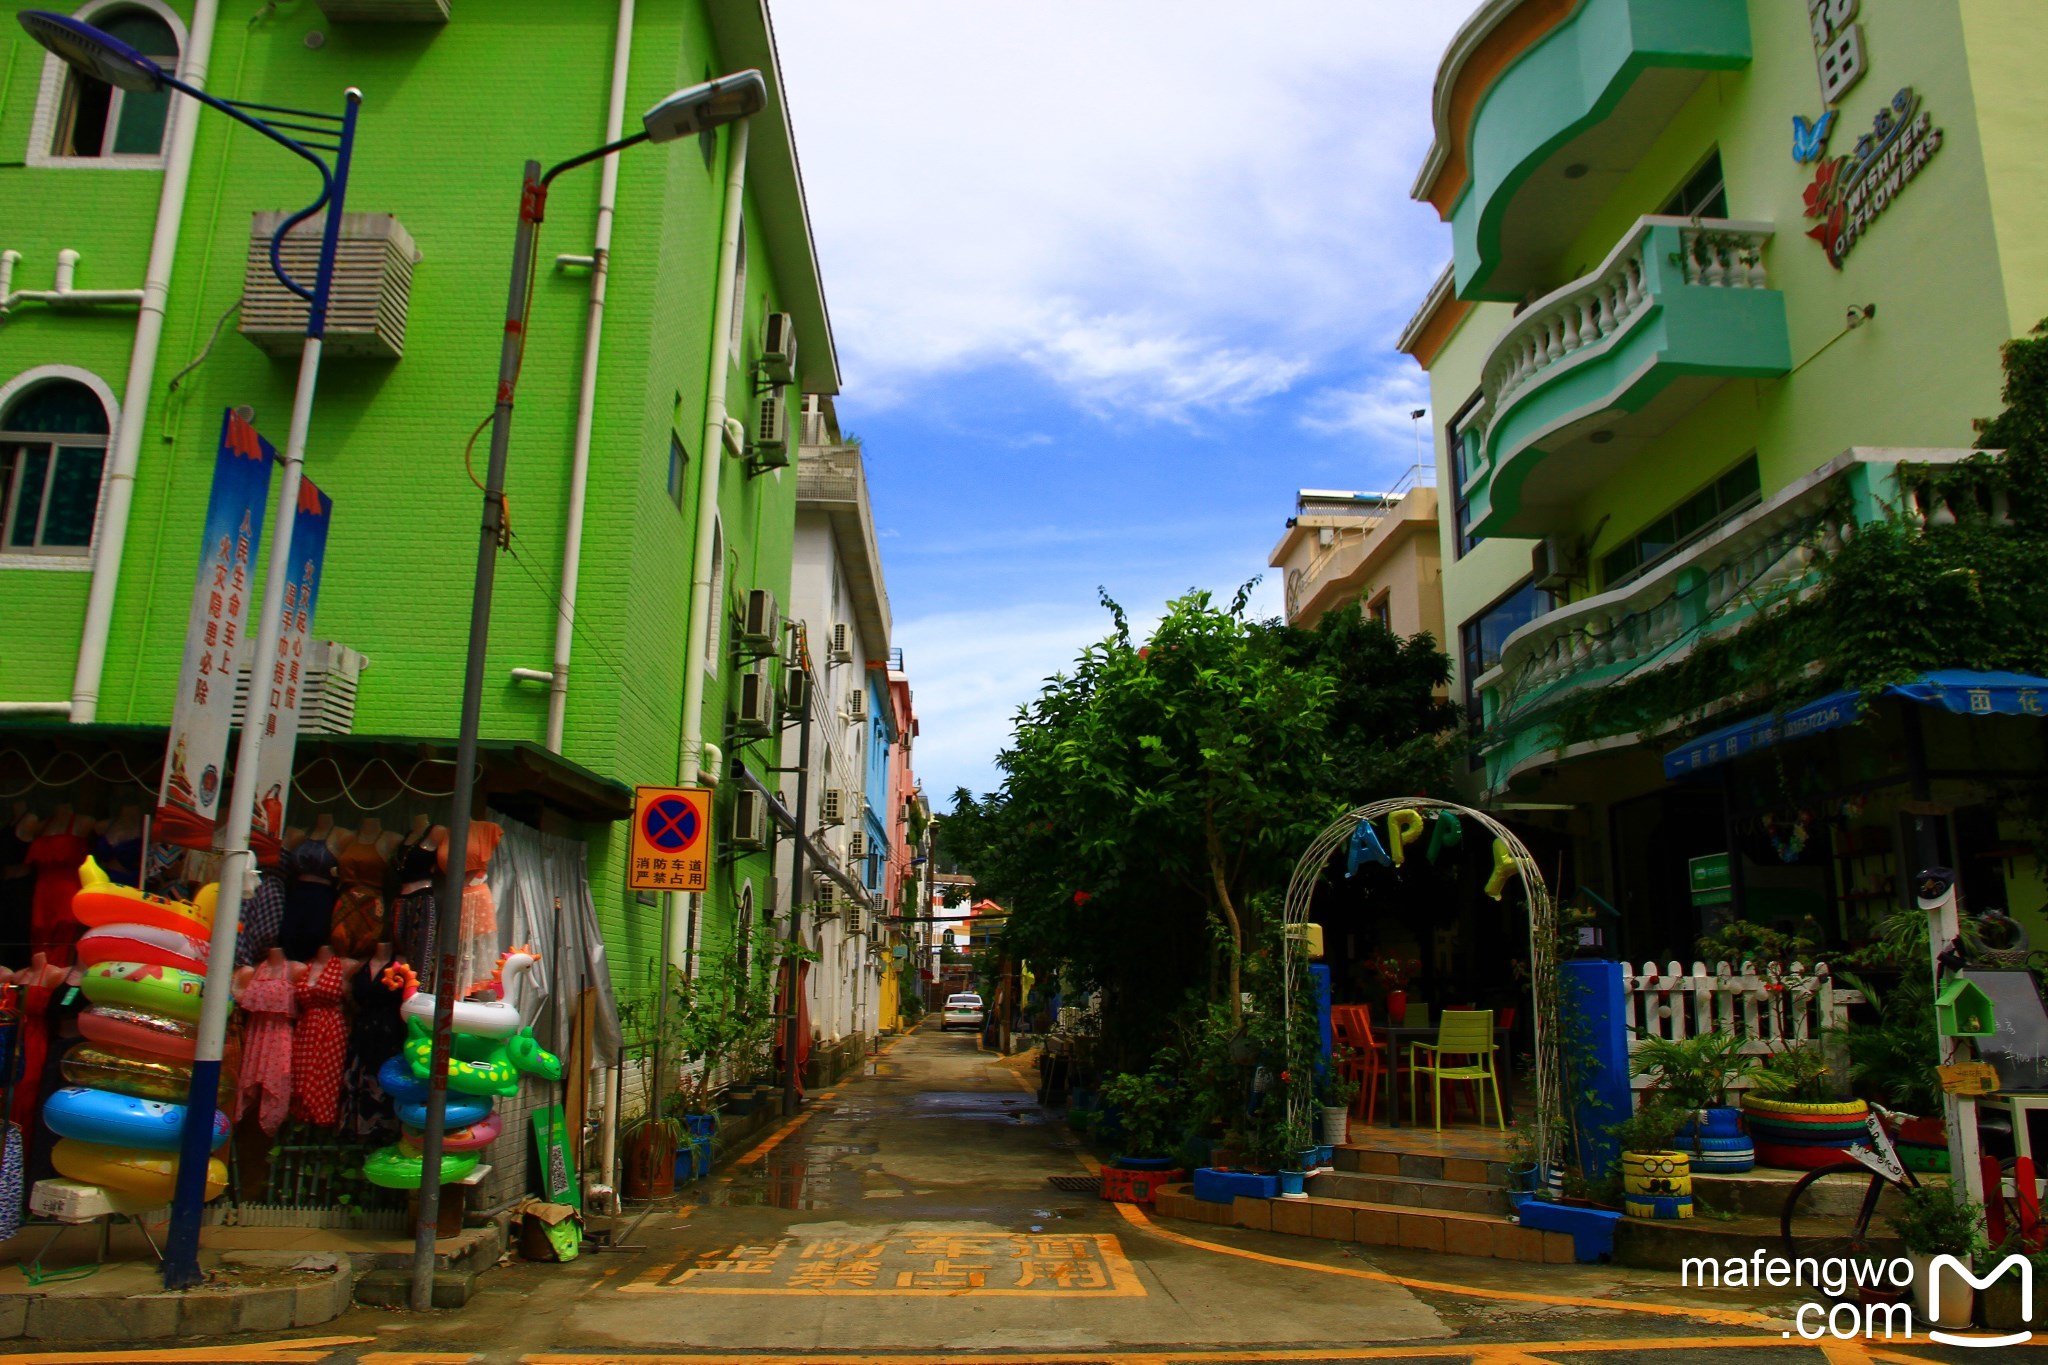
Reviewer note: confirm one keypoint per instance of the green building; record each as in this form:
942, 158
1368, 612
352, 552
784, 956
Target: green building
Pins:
101, 398
1723, 271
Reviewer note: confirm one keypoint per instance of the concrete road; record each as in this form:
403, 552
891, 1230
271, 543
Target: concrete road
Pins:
909, 1217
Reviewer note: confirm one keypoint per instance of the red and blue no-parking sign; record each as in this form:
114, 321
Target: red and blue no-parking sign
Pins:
671, 839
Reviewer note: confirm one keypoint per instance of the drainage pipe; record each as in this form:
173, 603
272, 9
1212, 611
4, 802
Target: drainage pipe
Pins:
63, 295
710, 466
149, 331
586, 399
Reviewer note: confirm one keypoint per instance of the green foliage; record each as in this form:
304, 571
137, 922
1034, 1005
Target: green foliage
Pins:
1740, 941
1693, 1073
1149, 1107
1938, 1219
1650, 1128
1163, 787
1799, 1073
723, 1015
1892, 1058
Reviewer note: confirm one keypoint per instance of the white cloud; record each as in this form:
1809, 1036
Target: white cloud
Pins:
1379, 409
1162, 207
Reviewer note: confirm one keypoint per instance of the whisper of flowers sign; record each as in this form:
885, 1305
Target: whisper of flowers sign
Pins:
1849, 192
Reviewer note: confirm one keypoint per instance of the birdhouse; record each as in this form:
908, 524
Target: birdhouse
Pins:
1964, 1011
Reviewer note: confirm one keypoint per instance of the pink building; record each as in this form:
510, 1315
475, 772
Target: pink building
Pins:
898, 872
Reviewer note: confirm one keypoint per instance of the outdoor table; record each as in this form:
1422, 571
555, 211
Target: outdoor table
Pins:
1395, 1041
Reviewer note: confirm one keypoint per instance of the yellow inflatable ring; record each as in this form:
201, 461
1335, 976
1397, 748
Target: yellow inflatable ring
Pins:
149, 1176
1404, 827
99, 901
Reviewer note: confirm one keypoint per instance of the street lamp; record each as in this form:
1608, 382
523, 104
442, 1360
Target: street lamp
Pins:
698, 109
106, 58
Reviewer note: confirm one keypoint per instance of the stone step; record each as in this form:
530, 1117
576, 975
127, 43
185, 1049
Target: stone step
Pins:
1665, 1244
1385, 1157
1410, 1192
1763, 1193
393, 1288
1392, 1225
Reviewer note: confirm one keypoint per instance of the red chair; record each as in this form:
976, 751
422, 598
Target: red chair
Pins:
1351, 1026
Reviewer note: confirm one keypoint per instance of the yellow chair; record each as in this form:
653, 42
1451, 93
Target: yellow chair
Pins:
1460, 1034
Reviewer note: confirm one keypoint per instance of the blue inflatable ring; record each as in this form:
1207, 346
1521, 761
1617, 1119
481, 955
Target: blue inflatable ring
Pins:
113, 1120
463, 1110
398, 1081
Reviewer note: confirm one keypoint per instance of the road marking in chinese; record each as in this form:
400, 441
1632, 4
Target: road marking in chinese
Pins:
1070, 1265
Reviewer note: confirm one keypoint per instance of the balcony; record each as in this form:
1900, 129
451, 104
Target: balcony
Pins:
1544, 107
832, 480
1714, 586
1351, 544
1590, 376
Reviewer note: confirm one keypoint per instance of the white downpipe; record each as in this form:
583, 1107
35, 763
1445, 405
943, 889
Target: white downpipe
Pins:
709, 467
149, 331
586, 398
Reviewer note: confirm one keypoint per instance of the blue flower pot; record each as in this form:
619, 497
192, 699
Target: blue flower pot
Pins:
1326, 1154
1291, 1182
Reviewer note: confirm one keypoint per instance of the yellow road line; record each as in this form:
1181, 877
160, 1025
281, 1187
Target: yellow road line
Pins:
1725, 1317
274, 1352
1477, 1352
416, 1358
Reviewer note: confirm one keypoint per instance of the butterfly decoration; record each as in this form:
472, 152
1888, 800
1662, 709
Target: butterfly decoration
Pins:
1809, 139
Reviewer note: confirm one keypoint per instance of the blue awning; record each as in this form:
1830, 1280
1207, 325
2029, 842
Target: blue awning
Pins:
1958, 691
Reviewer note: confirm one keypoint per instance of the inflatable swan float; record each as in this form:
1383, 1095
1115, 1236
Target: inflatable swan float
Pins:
484, 1018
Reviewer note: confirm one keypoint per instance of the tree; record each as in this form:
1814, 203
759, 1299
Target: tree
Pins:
1163, 789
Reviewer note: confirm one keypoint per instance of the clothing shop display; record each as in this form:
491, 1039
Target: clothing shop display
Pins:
319, 1043
412, 910
34, 1047
17, 894
60, 1034
376, 1033
478, 956
358, 922
269, 1005
262, 919
56, 854
13, 1173
121, 860
308, 901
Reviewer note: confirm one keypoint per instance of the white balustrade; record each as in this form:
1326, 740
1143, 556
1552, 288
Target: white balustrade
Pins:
1769, 1006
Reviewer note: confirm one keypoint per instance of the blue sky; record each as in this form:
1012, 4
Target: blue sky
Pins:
1110, 280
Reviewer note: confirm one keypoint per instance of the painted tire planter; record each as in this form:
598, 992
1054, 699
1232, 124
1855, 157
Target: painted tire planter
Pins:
394, 1170
1657, 1206
1721, 1155
1922, 1144
1648, 1174
1136, 1180
140, 943
1803, 1137
474, 1138
139, 1031
463, 1110
1754, 1105
111, 1120
148, 1176
145, 988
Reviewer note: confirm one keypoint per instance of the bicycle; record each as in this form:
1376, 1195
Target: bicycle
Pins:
1811, 1223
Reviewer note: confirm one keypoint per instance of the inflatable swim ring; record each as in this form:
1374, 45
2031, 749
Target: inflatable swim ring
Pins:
140, 943
394, 1170
462, 1112
146, 1176
139, 1031
474, 1138
140, 986
397, 1081
126, 1072
481, 1018
99, 901
113, 1120
493, 1075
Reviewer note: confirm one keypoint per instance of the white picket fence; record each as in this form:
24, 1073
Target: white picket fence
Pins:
1768, 1005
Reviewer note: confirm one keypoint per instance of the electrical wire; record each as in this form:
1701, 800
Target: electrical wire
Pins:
88, 767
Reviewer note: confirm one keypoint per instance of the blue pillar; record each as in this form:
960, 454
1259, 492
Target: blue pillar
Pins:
1596, 1063
1319, 980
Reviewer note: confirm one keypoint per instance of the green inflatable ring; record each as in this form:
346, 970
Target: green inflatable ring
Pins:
394, 1170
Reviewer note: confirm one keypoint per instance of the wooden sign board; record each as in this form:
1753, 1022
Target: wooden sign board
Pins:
1969, 1078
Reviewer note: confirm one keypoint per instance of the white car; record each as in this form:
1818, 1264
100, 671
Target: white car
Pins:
962, 1011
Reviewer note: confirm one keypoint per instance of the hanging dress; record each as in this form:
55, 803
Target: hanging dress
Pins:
56, 857
358, 923
308, 901
121, 861
269, 1004
479, 954
375, 1035
262, 919
34, 1046
319, 1044
412, 911
59, 1018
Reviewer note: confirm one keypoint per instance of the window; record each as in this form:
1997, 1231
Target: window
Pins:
1481, 638
1464, 440
53, 449
1705, 195
1379, 609
739, 293
1735, 491
96, 120
678, 465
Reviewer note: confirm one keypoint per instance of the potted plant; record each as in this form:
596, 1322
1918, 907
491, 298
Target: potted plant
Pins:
1395, 974
1656, 1180
1147, 1109
1296, 1154
1796, 1113
1524, 1172
1339, 1090
650, 1147
1693, 1074
1940, 1220
2003, 1299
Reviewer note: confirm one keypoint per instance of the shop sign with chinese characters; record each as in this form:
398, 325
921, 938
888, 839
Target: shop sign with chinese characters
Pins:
671, 839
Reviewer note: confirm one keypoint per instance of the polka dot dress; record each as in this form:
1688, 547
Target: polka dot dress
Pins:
319, 1043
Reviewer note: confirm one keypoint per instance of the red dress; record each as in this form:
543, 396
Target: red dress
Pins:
56, 858
479, 952
35, 1046
268, 1004
320, 1045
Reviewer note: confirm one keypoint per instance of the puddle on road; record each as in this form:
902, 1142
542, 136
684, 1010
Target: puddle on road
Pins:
796, 1176
976, 1105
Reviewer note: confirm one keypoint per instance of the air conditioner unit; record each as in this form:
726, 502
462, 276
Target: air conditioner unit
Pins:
857, 704
771, 890
372, 293
832, 806
796, 688
761, 626
756, 715
1553, 562
842, 643
857, 844
854, 920
778, 348
771, 432
749, 820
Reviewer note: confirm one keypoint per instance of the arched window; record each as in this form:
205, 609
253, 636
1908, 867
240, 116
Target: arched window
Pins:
95, 120
53, 450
